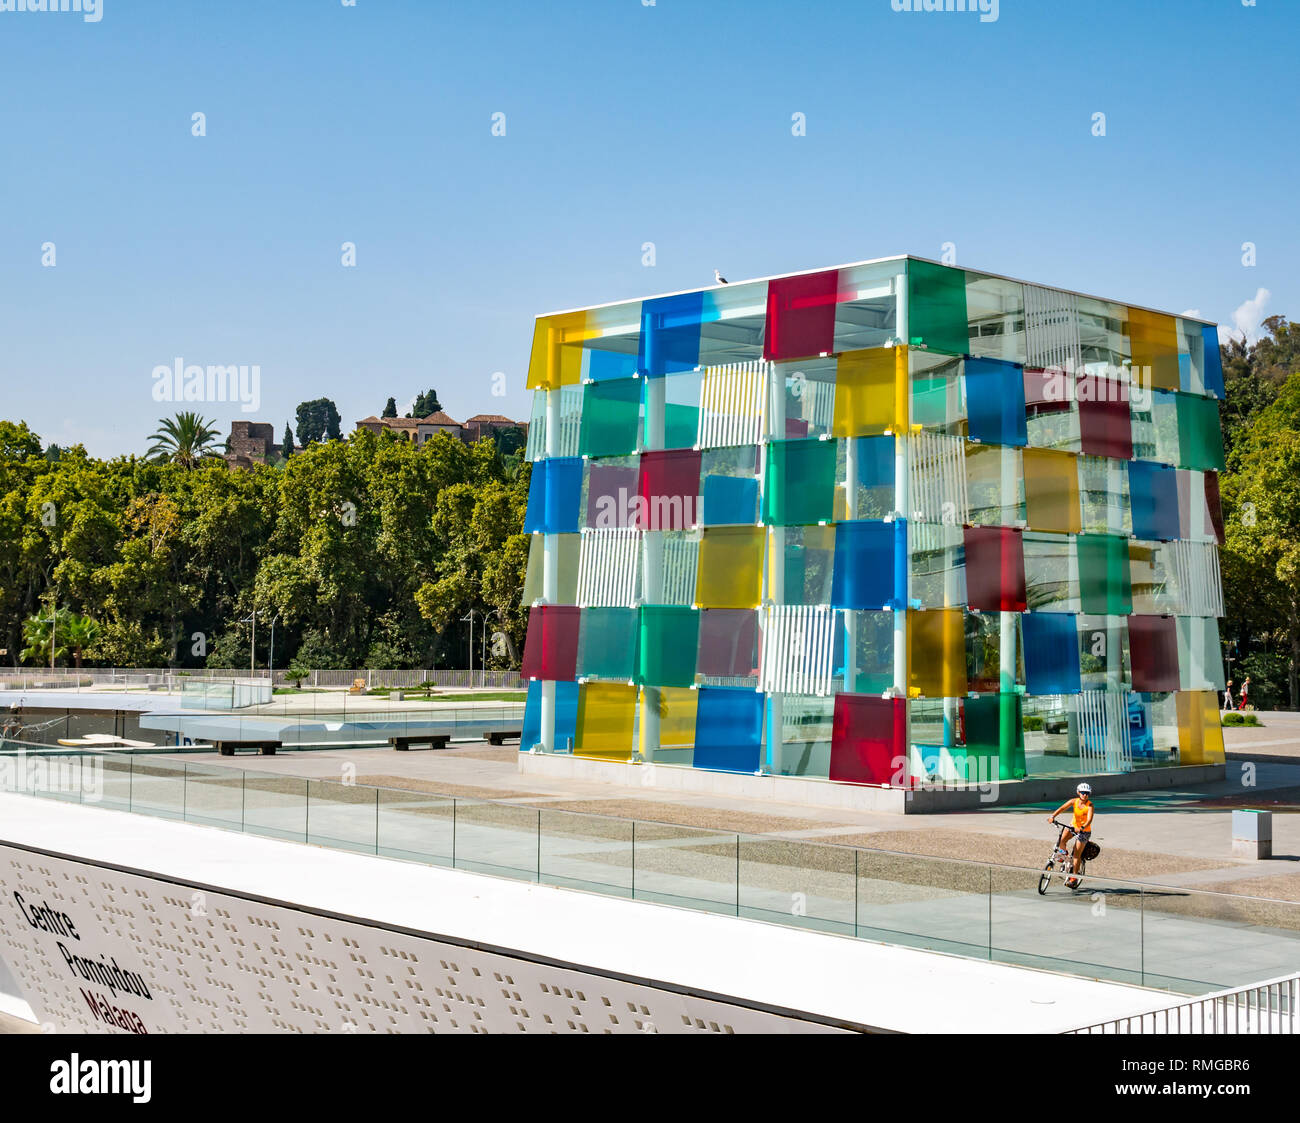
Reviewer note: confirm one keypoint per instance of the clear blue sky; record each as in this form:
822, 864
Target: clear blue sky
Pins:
625, 123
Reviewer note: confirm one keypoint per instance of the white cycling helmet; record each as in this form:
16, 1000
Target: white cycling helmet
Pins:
1084, 789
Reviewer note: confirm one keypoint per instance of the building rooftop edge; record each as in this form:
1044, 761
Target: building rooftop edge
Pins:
872, 261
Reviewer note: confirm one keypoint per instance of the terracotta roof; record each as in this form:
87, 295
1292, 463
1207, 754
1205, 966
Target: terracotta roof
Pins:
496, 418
438, 418
371, 420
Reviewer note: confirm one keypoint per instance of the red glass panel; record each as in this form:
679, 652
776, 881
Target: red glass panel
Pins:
1215, 504
551, 647
1045, 391
995, 568
728, 642
801, 316
1105, 428
670, 487
610, 491
1153, 652
868, 739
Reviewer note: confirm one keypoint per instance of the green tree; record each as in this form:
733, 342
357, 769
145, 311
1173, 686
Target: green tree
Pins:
39, 631
286, 442
82, 634
184, 439
1261, 554
318, 420
425, 404
390, 408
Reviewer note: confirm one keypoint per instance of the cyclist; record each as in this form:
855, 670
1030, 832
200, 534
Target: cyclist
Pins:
1080, 830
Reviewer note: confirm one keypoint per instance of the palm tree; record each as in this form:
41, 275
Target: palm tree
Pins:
80, 632
36, 636
184, 439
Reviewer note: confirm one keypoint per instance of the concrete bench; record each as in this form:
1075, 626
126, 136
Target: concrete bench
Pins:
227, 748
426, 740
500, 736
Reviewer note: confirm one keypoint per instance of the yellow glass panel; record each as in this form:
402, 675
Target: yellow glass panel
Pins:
677, 706
1200, 734
730, 569
570, 551
936, 653
556, 358
870, 392
1154, 348
606, 716
1051, 490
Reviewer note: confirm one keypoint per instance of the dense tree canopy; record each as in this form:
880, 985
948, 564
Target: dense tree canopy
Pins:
318, 420
1261, 499
370, 550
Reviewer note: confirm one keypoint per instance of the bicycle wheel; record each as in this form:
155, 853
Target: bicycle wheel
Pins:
1045, 878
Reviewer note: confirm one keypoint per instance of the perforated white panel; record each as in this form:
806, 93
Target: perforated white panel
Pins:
217, 963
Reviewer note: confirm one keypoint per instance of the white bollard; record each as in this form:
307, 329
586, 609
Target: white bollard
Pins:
1252, 834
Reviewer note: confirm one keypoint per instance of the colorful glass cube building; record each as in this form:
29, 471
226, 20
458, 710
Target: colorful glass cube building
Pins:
884, 523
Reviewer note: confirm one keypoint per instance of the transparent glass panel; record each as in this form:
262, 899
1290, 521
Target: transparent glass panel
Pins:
214, 796
924, 902
1051, 573
587, 852
497, 838
938, 565
342, 816
416, 826
938, 392
805, 748
275, 806
809, 396
806, 885
686, 866
995, 315
158, 787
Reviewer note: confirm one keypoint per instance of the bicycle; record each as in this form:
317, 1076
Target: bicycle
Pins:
1061, 863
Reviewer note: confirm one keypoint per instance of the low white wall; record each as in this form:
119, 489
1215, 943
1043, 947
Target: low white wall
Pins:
854, 797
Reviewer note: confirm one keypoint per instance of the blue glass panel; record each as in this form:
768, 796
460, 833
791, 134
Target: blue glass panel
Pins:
1213, 362
609, 364
554, 496
995, 401
730, 500
566, 715
875, 476
1051, 653
670, 334
1153, 493
728, 729
864, 575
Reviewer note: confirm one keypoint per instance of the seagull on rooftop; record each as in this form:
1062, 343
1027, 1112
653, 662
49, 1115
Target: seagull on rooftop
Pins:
719, 278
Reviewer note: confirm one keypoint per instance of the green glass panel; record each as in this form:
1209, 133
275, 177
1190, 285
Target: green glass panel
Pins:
607, 643
1200, 440
1104, 586
611, 414
799, 487
936, 307
681, 425
995, 735
669, 642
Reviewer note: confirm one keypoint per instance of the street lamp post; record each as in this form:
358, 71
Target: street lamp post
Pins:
270, 657
470, 618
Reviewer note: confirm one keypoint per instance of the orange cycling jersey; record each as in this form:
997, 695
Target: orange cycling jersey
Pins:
1082, 815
